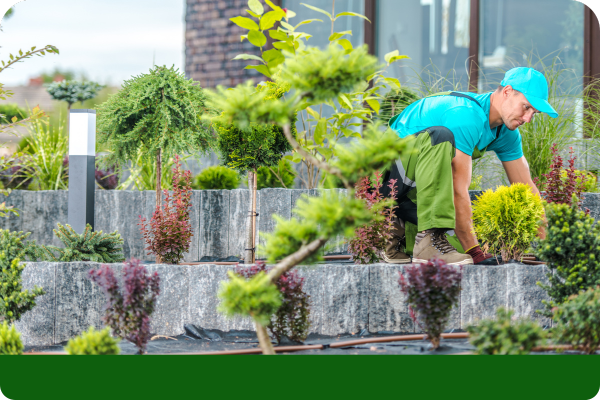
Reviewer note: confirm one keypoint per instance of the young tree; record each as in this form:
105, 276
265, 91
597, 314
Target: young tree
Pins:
155, 115
315, 76
250, 147
73, 91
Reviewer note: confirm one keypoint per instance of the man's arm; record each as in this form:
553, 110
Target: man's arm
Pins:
462, 165
518, 172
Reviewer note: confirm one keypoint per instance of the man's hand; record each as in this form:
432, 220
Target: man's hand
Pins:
518, 172
461, 175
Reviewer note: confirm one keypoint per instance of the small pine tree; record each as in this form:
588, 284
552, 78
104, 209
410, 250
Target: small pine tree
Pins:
73, 91
88, 246
10, 340
93, 342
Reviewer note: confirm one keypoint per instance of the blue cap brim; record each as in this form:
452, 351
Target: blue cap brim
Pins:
541, 105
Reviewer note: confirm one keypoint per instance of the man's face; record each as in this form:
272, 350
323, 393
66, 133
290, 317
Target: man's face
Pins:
516, 110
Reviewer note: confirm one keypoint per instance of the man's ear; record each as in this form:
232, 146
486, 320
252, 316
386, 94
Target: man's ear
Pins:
507, 91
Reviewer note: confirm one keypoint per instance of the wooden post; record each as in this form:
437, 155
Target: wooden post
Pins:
158, 191
249, 259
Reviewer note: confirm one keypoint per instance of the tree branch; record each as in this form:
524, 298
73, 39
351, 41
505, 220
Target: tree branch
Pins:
315, 161
263, 340
49, 49
295, 258
278, 177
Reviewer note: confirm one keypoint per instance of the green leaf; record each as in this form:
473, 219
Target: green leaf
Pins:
351, 14
245, 23
313, 113
243, 37
325, 152
273, 57
257, 38
320, 131
263, 69
347, 132
296, 157
391, 54
268, 20
287, 26
256, 6
307, 21
344, 101
316, 9
396, 58
248, 57
278, 35
284, 46
374, 105
337, 35
273, 6
395, 83
253, 14
346, 44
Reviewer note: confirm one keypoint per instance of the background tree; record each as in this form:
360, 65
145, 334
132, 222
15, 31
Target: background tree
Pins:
73, 91
155, 115
248, 147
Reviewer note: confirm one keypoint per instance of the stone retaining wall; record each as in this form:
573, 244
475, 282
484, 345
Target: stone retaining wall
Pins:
345, 298
218, 217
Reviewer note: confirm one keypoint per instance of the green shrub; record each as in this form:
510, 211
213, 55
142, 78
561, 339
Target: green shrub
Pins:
395, 101
93, 342
507, 220
589, 179
10, 111
14, 302
267, 179
578, 321
256, 297
14, 245
216, 177
572, 251
505, 336
10, 340
89, 246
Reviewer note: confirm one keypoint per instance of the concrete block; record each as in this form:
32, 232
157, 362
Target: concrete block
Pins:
149, 197
346, 301
56, 207
129, 205
273, 201
214, 225
239, 208
79, 301
194, 253
523, 295
592, 201
204, 285
11, 221
388, 307
172, 307
483, 291
34, 218
37, 325
314, 287
338, 243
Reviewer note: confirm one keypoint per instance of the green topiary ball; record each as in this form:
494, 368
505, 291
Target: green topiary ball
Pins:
10, 340
93, 342
217, 177
267, 179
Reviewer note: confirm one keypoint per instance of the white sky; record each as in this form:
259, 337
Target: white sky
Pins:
108, 40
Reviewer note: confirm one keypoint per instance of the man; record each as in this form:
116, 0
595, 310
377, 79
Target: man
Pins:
449, 130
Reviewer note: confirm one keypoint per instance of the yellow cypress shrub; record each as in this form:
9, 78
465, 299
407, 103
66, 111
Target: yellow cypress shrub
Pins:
507, 219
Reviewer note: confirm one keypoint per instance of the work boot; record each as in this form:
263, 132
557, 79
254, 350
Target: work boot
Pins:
435, 244
394, 252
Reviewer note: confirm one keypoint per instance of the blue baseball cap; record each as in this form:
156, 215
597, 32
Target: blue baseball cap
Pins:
533, 85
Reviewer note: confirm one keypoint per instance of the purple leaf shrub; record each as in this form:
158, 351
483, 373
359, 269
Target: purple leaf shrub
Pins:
169, 233
107, 179
291, 319
128, 313
370, 240
432, 289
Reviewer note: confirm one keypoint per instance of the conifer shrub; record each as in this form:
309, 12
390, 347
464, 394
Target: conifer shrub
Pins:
507, 220
268, 177
395, 101
433, 288
93, 342
571, 250
169, 232
217, 177
127, 312
88, 246
10, 340
255, 297
370, 240
14, 302
504, 335
292, 318
15, 245
578, 321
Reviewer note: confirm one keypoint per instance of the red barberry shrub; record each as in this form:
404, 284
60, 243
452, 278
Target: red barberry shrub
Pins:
432, 289
561, 183
128, 313
291, 319
169, 233
370, 240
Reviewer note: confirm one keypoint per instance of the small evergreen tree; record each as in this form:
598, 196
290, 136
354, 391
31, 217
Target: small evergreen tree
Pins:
93, 342
73, 91
156, 115
10, 340
216, 177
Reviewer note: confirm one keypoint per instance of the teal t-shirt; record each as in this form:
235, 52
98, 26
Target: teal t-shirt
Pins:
469, 123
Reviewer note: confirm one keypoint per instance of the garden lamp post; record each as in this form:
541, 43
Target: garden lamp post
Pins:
82, 162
